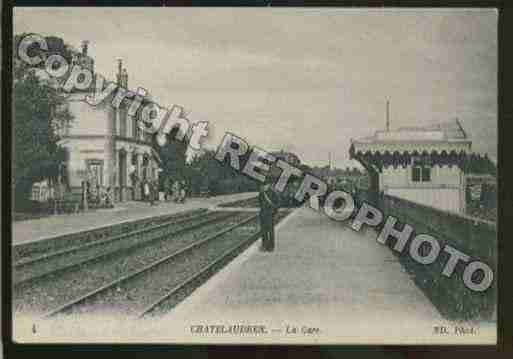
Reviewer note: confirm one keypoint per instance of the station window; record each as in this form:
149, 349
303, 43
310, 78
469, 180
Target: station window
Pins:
421, 171
35, 193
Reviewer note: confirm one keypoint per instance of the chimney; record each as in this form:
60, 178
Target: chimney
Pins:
85, 44
119, 77
125, 78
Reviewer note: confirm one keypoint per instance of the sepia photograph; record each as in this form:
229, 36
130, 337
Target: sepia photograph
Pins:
254, 175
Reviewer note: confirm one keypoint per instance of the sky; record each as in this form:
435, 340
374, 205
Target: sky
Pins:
299, 79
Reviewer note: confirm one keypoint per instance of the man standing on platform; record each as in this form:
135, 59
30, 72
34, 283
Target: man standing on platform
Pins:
167, 189
268, 200
146, 190
155, 192
176, 191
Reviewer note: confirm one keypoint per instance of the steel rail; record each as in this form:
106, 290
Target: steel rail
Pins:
198, 274
24, 251
28, 261
144, 269
122, 250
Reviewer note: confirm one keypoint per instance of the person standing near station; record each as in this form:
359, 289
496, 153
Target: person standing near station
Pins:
268, 200
146, 190
167, 189
108, 198
151, 186
172, 190
176, 191
156, 191
183, 191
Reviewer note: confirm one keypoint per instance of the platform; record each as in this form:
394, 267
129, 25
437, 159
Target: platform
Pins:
41, 228
342, 284
324, 281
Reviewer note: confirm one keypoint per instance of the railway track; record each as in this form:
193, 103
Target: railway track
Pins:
159, 285
135, 277
29, 269
44, 293
27, 251
139, 292
169, 299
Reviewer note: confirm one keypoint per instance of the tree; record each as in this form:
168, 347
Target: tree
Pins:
173, 158
206, 173
39, 112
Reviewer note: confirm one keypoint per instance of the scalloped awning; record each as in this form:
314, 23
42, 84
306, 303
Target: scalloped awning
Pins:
444, 143
381, 160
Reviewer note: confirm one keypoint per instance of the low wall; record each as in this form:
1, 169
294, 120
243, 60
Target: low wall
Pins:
474, 237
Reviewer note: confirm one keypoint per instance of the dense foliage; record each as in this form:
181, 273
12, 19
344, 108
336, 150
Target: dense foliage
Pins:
203, 174
39, 112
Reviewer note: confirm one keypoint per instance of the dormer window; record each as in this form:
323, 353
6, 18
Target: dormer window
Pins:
420, 170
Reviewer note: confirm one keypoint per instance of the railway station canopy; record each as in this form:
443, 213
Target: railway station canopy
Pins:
440, 144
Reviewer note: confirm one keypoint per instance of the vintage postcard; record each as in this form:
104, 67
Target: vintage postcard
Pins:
254, 175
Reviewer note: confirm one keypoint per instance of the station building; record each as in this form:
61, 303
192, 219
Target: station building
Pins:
103, 145
425, 165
